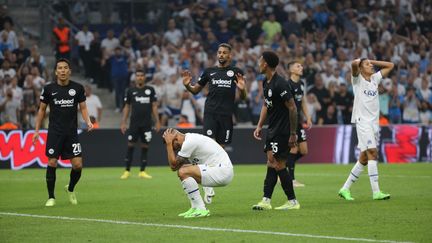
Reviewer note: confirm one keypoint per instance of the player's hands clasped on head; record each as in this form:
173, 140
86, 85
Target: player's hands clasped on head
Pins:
169, 135
187, 77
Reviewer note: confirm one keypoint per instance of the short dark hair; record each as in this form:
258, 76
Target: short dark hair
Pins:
289, 65
226, 45
361, 61
271, 59
62, 60
139, 70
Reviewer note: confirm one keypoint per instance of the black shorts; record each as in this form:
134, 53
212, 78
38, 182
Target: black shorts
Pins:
145, 133
278, 145
218, 127
301, 134
66, 146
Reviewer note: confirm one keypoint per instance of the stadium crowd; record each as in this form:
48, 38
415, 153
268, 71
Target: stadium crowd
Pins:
325, 36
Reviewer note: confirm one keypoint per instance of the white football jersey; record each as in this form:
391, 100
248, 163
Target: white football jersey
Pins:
200, 149
366, 102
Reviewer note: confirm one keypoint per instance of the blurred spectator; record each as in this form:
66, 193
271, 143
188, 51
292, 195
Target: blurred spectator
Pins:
110, 43
79, 12
6, 70
11, 39
384, 100
94, 106
119, 76
61, 39
344, 103
271, 27
395, 113
29, 103
10, 109
411, 107
184, 123
21, 52
84, 39
4, 16
329, 117
173, 35
321, 93
314, 107
172, 99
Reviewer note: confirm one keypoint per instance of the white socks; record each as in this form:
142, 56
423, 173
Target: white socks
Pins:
190, 186
373, 175
354, 175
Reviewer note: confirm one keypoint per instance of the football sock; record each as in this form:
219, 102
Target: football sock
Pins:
129, 156
290, 164
50, 180
270, 182
190, 186
286, 183
75, 175
373, 175
354, 175
143, 158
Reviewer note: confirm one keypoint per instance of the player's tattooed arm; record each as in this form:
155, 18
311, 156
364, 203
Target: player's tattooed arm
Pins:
180, 161
290, 104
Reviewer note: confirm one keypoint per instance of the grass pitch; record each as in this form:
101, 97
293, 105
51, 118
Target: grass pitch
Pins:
138, 210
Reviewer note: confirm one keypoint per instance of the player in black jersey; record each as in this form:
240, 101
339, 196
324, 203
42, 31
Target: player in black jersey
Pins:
62, 97
298, 91
280, 108
141, 101
223, 80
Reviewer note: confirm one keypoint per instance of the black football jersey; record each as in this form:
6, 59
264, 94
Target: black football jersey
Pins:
222, 89
297, 91
140, 101
63, 103
276, 92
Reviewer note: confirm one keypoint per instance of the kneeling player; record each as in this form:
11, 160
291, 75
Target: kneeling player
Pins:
200, 160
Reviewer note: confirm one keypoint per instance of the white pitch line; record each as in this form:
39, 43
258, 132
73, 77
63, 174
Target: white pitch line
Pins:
198, 228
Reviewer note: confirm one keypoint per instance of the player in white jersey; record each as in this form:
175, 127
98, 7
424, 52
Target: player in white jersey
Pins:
365, 116
199, 160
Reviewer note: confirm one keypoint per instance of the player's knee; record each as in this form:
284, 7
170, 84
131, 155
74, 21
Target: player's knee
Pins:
52, 162
304, 151
182, 173
372, 154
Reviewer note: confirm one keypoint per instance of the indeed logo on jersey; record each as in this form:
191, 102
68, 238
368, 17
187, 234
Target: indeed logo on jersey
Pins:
370, 93
222, 83
64, 103
142, 99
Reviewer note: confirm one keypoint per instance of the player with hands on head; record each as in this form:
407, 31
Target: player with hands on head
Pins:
365, 116
197, 159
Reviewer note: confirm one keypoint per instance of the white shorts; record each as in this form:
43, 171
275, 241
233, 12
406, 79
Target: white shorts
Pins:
367, 135
214, 176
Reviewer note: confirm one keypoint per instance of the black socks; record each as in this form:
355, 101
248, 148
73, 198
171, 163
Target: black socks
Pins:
50, 180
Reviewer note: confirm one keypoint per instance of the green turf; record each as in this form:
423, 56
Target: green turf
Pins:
407, 216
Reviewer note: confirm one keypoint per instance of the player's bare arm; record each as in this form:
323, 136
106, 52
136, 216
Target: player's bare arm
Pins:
241, 85
175, 162
125, 116
263, 115
156, 116
40, 116
85, 115
386, 67
187, 82
290, 105
355, 67
306, 113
